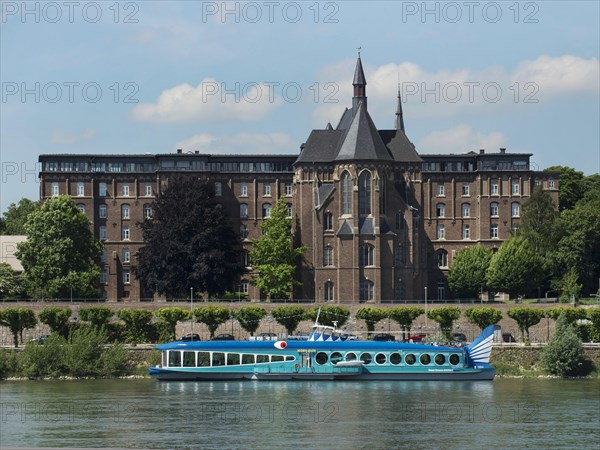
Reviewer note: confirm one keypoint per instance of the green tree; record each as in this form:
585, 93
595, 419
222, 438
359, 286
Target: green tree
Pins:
539, 221
483, 316
371, 315
563, 356
188, 242
594, 315
329, 314
17, 320
97, 316
405, 316
249, 317
60, 255
8, 281
445, 317
467, 275
170, 316
289, 317
16, 216
47, 360
516, 268
274, 257
570, 288
57, 319
571, 314
212, 317
525, 317
571, 186
137, 324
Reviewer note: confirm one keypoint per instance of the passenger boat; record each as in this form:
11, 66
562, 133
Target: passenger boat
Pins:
325, 355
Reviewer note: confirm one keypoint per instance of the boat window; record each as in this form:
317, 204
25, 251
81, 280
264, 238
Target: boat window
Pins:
290, 358
218, 359
189, 359
164, 359
425, 359
321, 358
233, 359
335, 357
276, 358
175, 359
350, 356
395, 358
262, 359
247, 359
380, 358
454, 359
366, 358
440, 359
203, 359
410, 359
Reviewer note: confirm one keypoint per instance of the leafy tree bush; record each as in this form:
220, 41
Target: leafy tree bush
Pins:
569, 286
274, 257
468, 273
483, 316
371, 315
169, 317
588, 333
9, 285
249, 317
17, 320
97, 316
10, 364
137, 324
212, 317
525, 317
84, 351
445, 317
329, 314
47, 359
594, 315
563, 356
405, 316
16, 216
289, 317
57, 319
235, 296
571, 314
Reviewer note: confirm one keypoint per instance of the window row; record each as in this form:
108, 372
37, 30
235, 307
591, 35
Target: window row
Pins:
125, 211
266, 210
102, 190
243, 189
440, 232
515, 187
394, 358
125, 233
440, 210
183, 358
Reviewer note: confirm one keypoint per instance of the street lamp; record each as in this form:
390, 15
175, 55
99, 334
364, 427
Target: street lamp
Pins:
192, 313
426, 306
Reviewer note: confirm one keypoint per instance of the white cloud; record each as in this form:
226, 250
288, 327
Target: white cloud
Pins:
240, 143
210, 100
62, 137
460, 139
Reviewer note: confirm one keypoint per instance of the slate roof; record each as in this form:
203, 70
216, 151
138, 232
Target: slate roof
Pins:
322, 193
359, 74
366, 225
345, 229
400, 147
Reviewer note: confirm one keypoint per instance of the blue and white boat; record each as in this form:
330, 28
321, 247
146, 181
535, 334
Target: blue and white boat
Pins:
325, 355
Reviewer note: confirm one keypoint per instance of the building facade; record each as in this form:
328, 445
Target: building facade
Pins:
381, 223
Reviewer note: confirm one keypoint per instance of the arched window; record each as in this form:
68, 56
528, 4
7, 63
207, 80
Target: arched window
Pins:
147, 211
442, 258
328, 219
125, 211
245, 258
515, 209
440, 210
441, 289
366, 291
346, 193
243, 211
81, 207
328, 256
365, 255
364, 193
382, 182
399, 255
328, 291
494, 209
243, 231
466, 210
266, 210
288, 209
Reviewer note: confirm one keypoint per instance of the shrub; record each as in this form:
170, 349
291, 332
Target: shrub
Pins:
483, 316
330, 314
371, 315
98, 316
249, 317
587, 332
212, 317
137, 324
289, 317
563, 355
405, 316
10, 363
57, 319
445, 316
169, 317
17, 320
525, 317
47, 359
114, 361
85, 351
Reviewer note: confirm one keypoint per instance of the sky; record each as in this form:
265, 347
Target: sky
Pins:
256, 77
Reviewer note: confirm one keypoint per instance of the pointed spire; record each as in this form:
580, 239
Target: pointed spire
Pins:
399, 115
360, 84
329, 127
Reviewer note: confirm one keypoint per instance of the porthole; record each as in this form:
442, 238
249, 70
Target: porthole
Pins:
335, 357
439, 359
321, 358
380, 358
366, 358
410, 359
425, 359
395, 358
350, 356
454, 359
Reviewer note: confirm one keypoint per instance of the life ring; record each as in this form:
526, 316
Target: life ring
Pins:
296, 366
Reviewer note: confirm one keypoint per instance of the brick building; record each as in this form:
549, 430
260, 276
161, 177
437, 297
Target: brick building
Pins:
380, 222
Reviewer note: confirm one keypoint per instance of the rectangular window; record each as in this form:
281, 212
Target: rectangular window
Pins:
515, 210
244, 211
465, 188
441, 232
494, 187
288, 189
266, 189
515, 188
103, 233
126, 276
218, 189
466, 231
148, 190
125, 212
551, 184
125, 190
328, 221
104, 276
125, 233
80, 189
102, 190
55, 190
244, 287
328, 256
102, 211
126, 255
440, 210
243, 189
441, 190
466, 210
494, 231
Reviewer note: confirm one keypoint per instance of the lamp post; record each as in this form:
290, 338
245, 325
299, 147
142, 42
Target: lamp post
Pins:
426, 306
192, 313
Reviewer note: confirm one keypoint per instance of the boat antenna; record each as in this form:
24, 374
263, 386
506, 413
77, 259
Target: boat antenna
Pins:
318, 314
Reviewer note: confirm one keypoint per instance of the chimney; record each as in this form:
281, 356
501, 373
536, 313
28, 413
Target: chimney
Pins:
502, 150
197, 152
481, 151
179, 151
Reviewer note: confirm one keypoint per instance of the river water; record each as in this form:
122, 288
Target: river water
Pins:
505, 413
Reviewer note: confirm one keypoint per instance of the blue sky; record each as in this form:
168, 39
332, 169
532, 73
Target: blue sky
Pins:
231, 77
